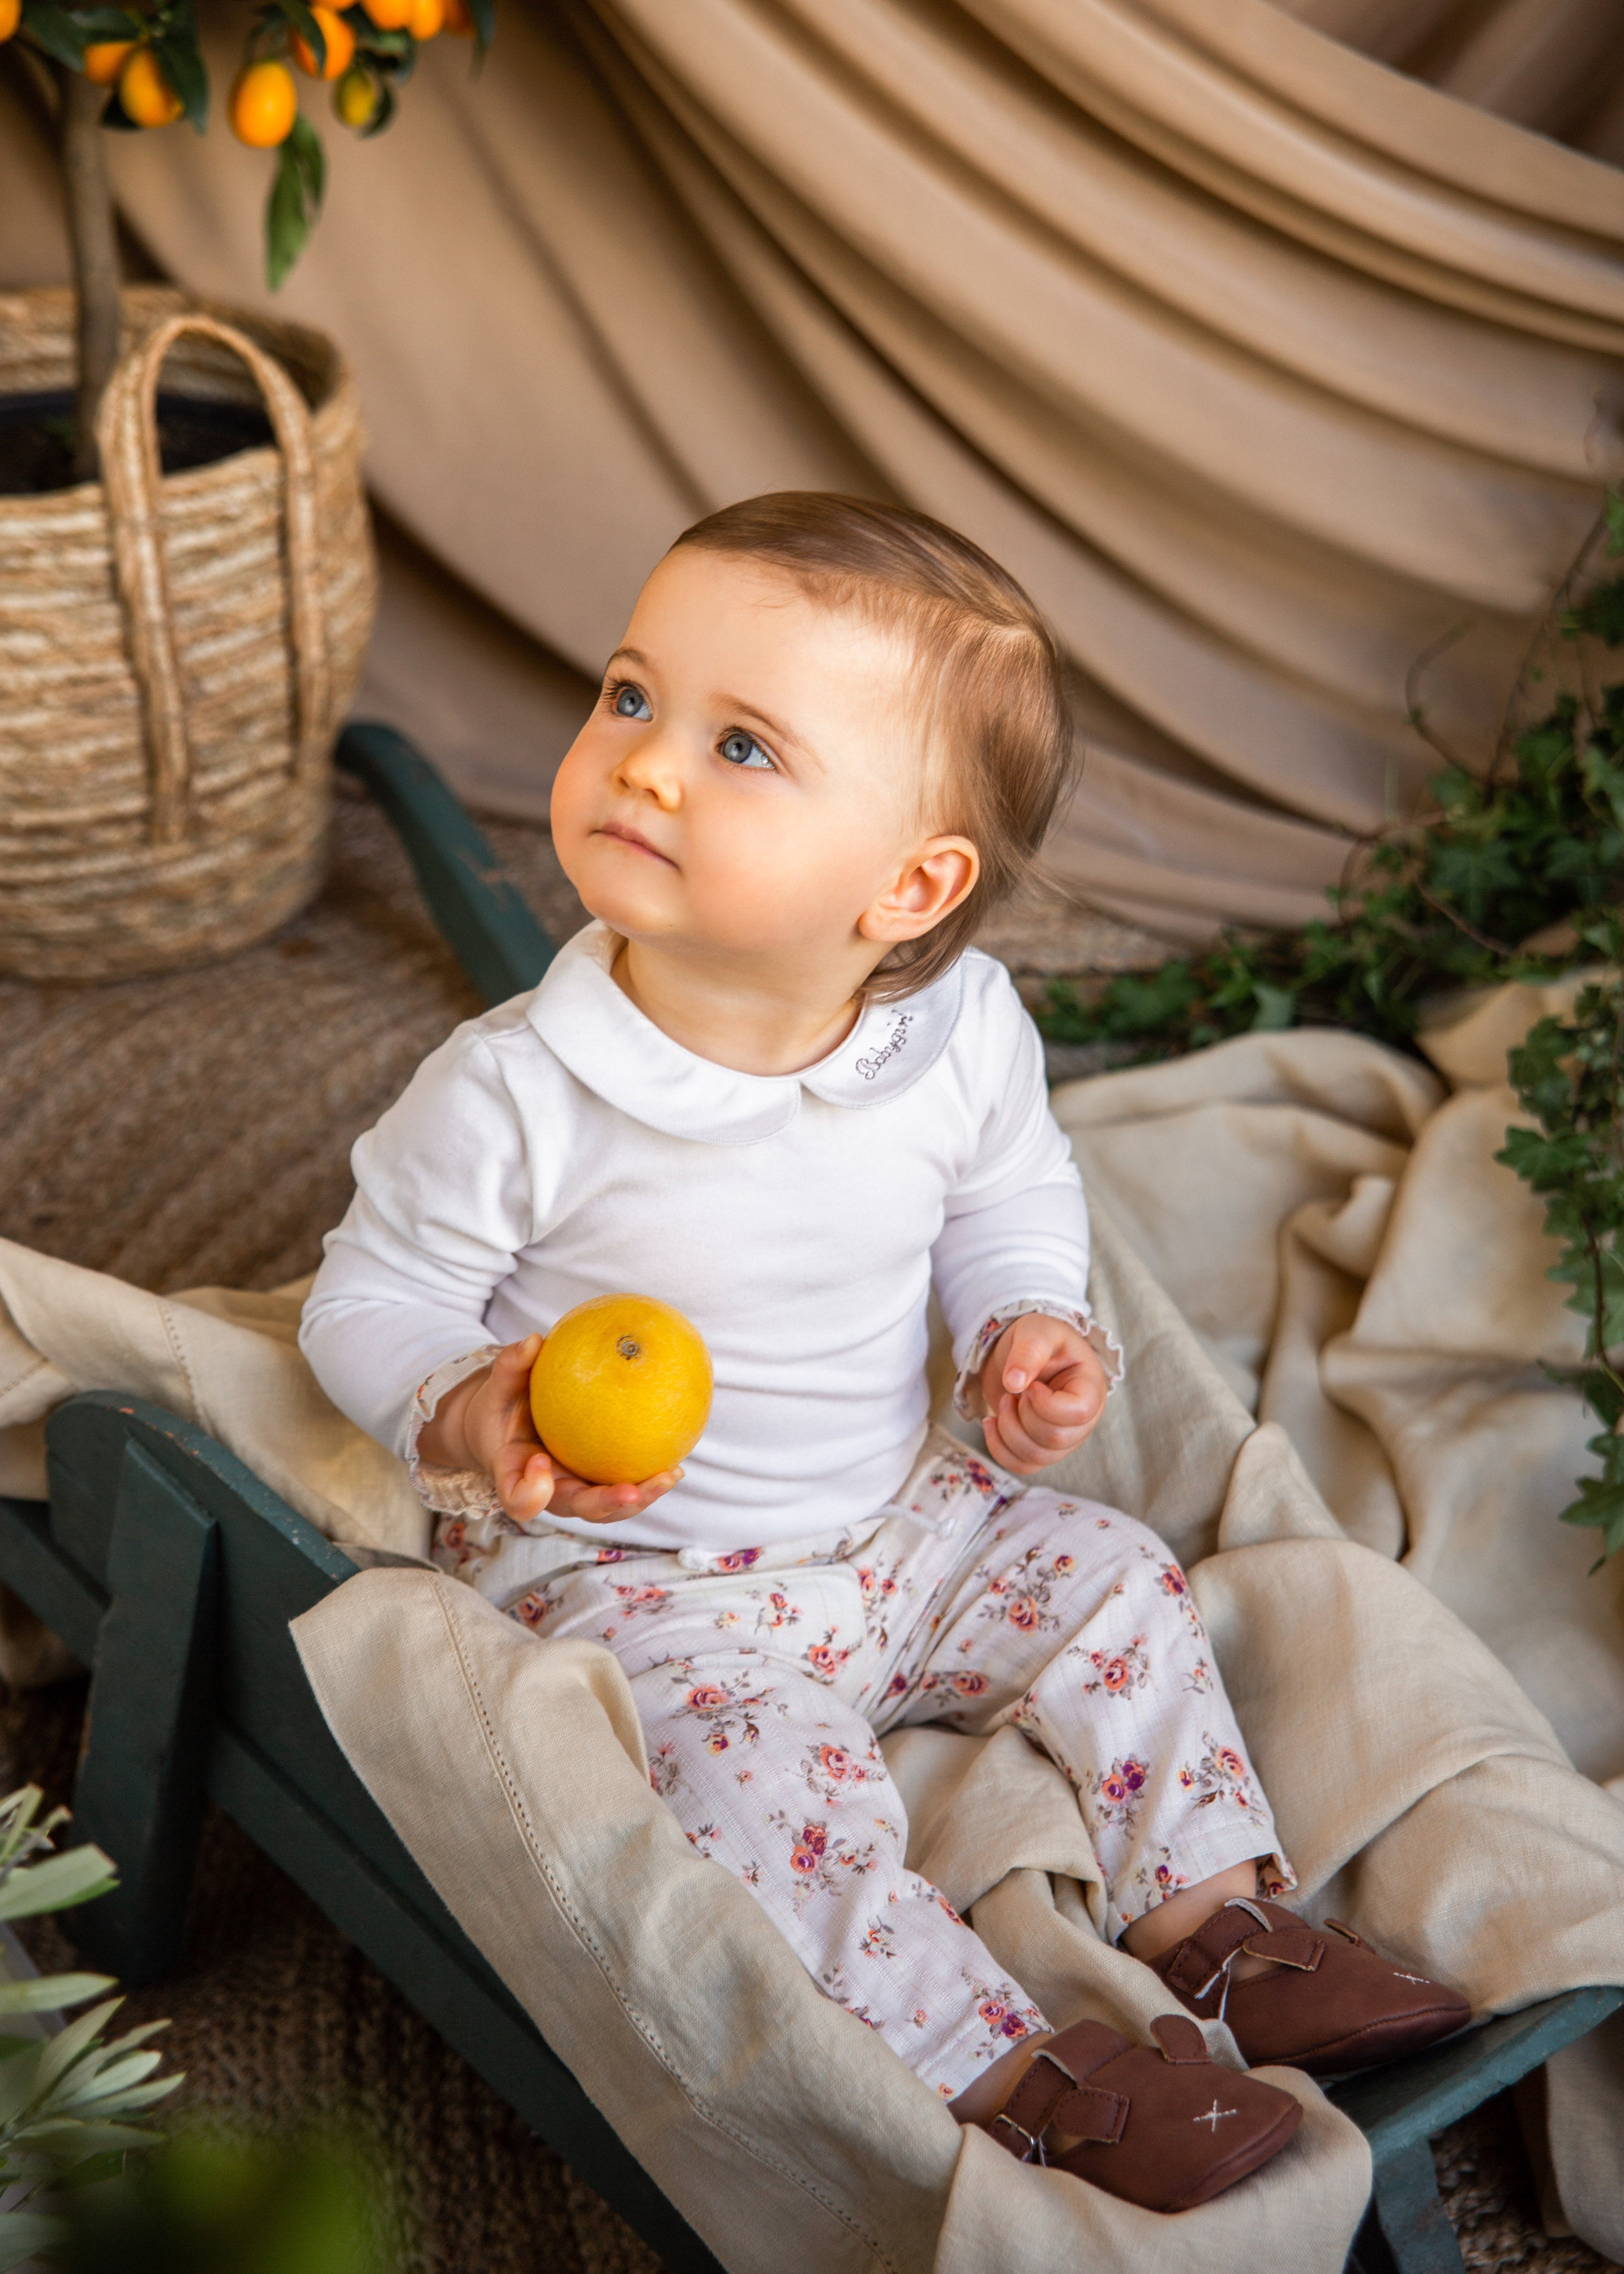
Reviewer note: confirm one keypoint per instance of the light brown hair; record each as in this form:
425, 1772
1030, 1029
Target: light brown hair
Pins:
991, 692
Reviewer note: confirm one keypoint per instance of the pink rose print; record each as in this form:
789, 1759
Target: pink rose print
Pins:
1117, 1789
641, 1599
824, 1659
776, 1611
740, 1560
531, 1609
454, 1533
611, 1555
716, 1741
808, 1850
706, 1697
1118, 1673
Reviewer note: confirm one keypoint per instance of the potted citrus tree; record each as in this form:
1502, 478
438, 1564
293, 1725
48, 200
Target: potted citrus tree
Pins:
187, 572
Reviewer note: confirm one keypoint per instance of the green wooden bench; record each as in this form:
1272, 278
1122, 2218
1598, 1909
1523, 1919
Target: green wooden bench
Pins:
173, 1572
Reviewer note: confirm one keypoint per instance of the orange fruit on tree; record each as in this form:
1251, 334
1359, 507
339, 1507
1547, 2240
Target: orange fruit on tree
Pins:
11, 17
147, 96
355, 98
621, 1389
427, 20
264, 104
459, 19
389, 15
104, 59
340, 47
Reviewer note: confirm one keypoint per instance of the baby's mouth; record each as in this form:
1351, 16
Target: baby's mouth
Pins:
624, 835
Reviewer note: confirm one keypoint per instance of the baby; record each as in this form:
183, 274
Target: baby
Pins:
772, 1084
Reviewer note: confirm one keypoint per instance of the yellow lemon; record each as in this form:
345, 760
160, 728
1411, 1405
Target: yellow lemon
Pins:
622, 1389
147, 96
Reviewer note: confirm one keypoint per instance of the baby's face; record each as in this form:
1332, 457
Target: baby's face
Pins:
750, 778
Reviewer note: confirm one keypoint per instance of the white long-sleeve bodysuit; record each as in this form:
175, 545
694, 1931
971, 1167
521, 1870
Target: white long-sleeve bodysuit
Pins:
811, 1583
563, 1147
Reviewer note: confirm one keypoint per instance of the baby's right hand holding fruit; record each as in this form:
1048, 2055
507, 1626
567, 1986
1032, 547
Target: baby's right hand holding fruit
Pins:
484, 1423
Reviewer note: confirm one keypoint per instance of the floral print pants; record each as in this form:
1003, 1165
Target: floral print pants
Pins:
764, 1679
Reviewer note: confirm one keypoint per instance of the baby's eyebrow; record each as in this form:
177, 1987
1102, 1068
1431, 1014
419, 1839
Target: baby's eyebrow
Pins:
734, 707
628, 655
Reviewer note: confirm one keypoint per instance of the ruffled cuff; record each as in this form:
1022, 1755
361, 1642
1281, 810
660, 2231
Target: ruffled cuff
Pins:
448, 1492
968, 1402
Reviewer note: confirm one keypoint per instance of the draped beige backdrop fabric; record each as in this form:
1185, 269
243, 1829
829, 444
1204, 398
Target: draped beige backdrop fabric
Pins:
1265, 362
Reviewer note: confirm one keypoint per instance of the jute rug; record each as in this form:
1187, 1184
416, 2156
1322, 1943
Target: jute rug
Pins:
196, 1129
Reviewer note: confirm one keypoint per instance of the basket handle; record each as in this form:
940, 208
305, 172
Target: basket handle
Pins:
127, 436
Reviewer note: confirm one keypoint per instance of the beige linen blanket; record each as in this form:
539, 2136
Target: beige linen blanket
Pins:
1347, 1259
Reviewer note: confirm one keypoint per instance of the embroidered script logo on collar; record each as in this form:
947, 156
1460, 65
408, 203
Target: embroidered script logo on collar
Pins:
896, 1040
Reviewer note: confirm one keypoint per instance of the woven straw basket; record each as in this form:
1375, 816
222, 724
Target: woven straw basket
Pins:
175, 652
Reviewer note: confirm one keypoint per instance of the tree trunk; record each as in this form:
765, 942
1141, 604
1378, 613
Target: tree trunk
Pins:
95, 239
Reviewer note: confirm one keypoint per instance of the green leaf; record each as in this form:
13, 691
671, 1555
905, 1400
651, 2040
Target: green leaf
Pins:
1613, 509
286, 223
23, 2233
1277, 1008
484, 13
183, 65
58, 2054
383, 112
96, 24
79, 1877
53, 31
49, 1993
1600, 613
303, 22
311, 159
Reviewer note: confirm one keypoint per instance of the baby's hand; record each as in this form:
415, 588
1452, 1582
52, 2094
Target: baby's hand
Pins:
484, 1423
1044, 1391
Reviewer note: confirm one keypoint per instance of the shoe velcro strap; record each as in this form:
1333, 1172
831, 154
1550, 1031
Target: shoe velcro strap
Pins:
1202, 1953
1057, 2069
1090, 2112
1180, 2040
1287, 1945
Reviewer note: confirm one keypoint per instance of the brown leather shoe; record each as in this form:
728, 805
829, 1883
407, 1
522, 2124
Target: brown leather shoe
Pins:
1328, 2002
1162, 2126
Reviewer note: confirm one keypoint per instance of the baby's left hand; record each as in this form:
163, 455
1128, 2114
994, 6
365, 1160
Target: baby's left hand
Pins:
1044, 1391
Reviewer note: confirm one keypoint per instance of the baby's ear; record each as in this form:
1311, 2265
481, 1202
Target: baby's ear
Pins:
937, 877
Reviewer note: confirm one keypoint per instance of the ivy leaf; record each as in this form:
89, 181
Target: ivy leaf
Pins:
1600, 613
1614, 508
1601, 1504
1277, 1008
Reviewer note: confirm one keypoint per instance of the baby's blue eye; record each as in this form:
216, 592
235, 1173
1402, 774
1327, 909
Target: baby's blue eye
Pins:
743, 750
631, 702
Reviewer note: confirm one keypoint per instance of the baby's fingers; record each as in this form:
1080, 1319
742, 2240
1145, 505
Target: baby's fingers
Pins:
587, 1504
510, 1369
524, 1480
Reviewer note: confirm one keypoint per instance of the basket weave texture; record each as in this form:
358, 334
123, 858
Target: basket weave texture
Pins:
175, 652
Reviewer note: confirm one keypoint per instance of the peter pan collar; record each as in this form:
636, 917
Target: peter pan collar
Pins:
607, 1043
